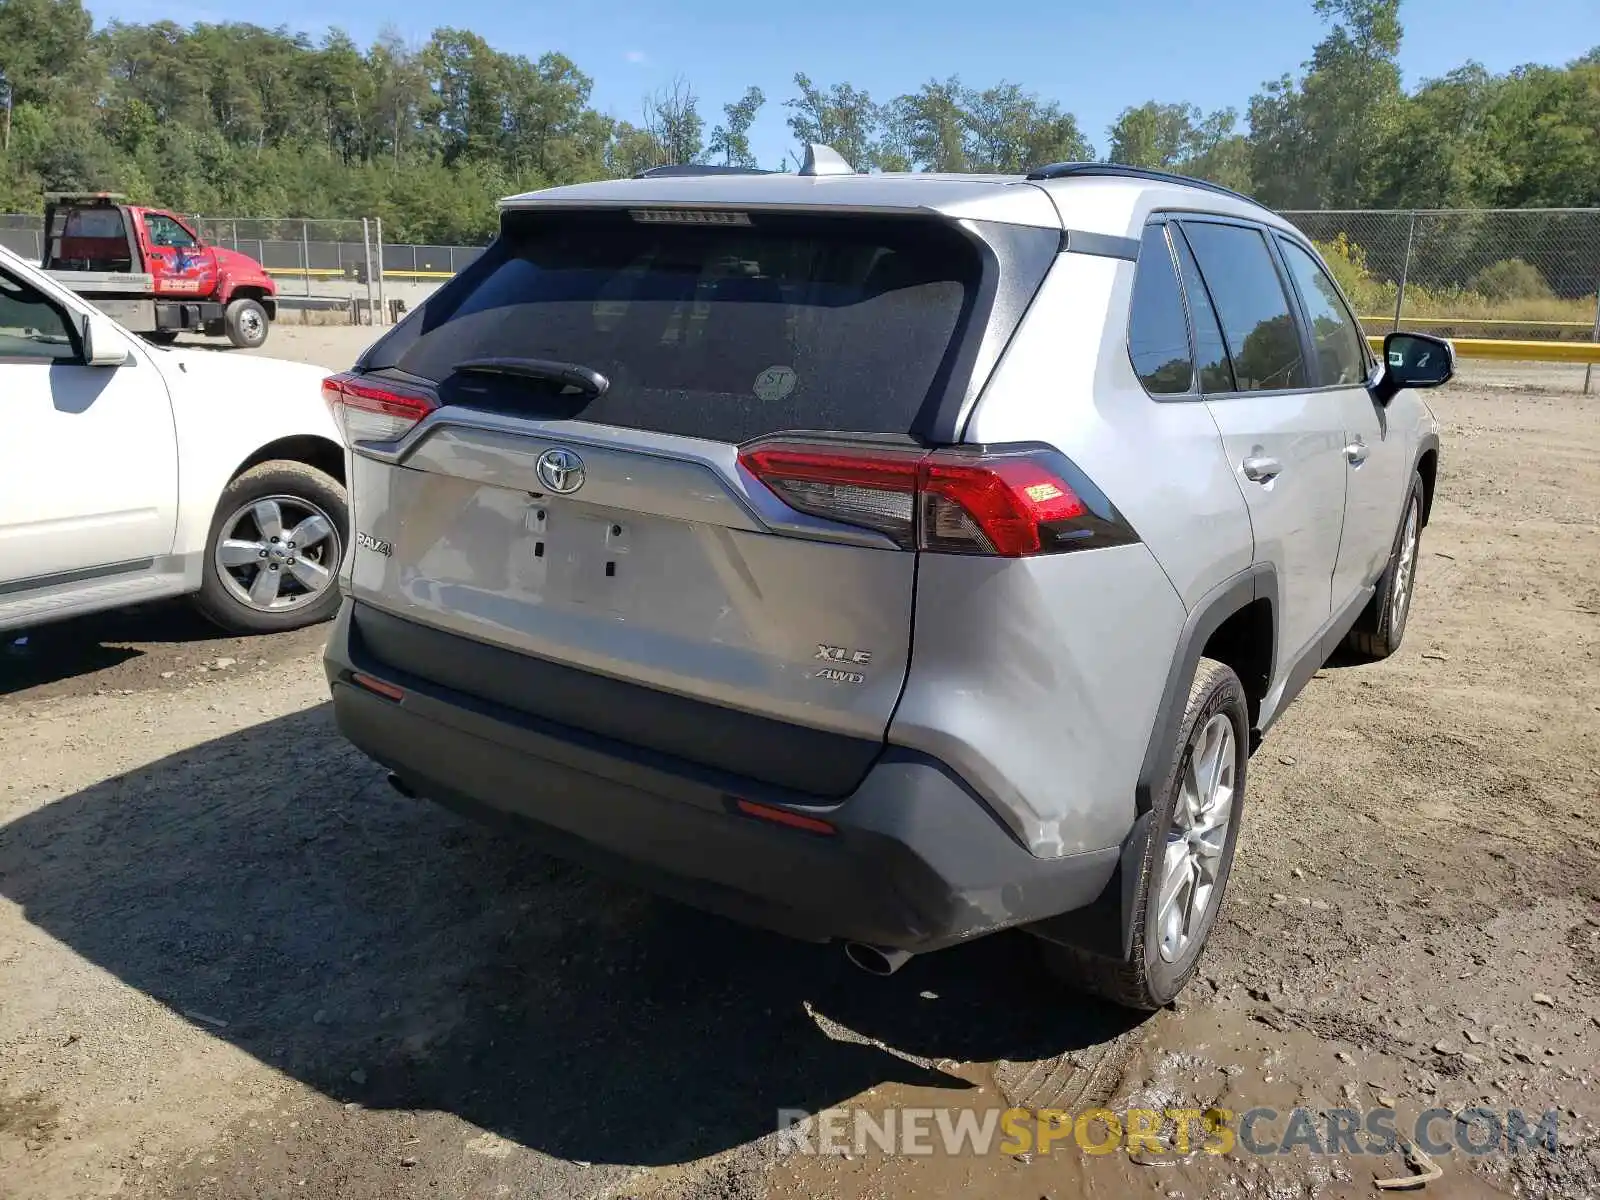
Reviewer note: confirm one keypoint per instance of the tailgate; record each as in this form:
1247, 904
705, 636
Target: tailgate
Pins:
658, 606
596, 528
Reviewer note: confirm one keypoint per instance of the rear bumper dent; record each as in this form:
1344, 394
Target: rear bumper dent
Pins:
916, 861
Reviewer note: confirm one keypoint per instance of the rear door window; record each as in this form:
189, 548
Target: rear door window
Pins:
727, 331
1263, 338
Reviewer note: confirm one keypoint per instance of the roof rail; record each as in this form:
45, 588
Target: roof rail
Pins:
673, 169
1090, 170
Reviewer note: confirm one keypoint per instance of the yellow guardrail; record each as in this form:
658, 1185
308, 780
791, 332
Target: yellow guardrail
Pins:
334, 273
1516, 350
1389, 320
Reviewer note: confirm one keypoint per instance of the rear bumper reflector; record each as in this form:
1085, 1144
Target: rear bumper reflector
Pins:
783, 816
377, 686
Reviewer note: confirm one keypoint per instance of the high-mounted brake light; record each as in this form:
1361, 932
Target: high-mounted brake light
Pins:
372, 412
1004, 501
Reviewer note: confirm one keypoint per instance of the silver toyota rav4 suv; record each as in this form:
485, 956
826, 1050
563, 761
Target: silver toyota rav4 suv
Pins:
882, 559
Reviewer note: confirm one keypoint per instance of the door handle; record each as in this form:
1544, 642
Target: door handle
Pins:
1258, 468
1356, 452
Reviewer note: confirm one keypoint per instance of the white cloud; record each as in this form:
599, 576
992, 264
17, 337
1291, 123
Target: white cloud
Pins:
636, 57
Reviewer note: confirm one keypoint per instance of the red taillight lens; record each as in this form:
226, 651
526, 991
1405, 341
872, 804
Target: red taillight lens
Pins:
1003, 502
371, 412
995, 507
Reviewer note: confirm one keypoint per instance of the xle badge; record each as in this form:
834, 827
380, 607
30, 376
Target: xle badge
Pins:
367, 542
842, 654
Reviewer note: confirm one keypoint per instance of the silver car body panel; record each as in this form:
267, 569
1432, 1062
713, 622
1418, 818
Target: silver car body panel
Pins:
957, 197
1026, 681
659, 570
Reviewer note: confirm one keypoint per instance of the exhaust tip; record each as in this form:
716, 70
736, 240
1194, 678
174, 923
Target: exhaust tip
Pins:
401, 786
876, 960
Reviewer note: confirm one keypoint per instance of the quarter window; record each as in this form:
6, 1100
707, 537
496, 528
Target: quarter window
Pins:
30, 326
1257, 322
1335, 336
1216, 375
1158, 339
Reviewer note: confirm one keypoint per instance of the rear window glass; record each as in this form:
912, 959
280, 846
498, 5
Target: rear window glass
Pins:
94, 223
725, 332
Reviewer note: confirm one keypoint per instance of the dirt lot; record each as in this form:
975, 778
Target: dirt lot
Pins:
234, 964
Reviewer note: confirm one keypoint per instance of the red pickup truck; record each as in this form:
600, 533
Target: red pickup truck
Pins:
149, 269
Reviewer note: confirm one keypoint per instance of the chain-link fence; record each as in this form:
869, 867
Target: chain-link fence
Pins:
1497, 273
23, 233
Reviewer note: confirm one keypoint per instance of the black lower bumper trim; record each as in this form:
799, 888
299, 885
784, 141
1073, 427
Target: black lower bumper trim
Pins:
916, 862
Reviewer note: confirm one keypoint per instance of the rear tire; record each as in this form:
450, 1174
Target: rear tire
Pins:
1382, 625
247, 542
246, 323
160, 337
1184, 871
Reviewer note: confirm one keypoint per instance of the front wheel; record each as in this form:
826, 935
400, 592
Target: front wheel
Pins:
272, 560
1382, 625
1184, 871
246, 323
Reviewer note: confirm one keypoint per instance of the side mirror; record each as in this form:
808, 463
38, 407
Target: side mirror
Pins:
103, 344
1413, 360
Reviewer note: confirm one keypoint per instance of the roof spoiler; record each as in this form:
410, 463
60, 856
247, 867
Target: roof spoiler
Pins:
819, 160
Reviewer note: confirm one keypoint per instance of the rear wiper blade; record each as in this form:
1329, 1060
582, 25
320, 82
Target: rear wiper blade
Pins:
548, 370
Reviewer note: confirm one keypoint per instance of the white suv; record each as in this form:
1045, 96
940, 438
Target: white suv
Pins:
889, 559
130, 472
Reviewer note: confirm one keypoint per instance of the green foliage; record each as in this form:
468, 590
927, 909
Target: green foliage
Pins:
1507, 291
236, 118
1510, 279
731, 141
840, 116
947, 126
1176, 137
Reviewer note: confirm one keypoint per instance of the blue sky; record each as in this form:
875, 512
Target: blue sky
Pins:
1096, 59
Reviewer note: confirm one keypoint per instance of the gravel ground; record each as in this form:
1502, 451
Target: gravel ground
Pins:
234, 964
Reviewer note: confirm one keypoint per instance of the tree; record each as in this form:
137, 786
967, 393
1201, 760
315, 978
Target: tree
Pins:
1312, 142
1176, 137
44, 50
1154, 135
229, 116
672, 119
632, 150
841, 116
930, 129
731, 140
1014, 131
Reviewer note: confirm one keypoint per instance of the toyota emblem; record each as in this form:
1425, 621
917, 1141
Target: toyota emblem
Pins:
561, 471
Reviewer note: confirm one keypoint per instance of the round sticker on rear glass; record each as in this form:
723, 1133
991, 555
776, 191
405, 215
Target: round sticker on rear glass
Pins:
774, 383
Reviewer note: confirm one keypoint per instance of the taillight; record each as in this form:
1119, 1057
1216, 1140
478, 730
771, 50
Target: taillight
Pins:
877, 490
1005, 501
373, 412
